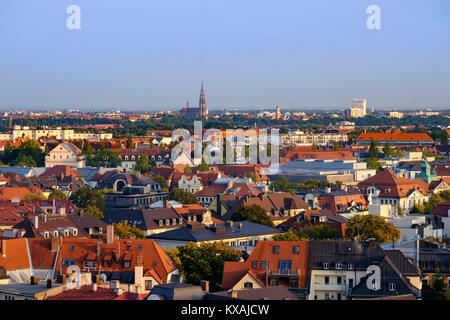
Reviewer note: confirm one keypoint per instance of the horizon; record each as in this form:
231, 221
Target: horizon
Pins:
153, 56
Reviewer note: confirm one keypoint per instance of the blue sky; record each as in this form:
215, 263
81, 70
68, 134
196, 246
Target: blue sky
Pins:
153, 55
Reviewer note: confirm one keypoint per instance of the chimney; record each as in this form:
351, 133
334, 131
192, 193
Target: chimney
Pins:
114, 284
94, 287
36, 222
49, 283
99, 247
138, 275
234, 294
110, 234
204, 284
139, 260
98, 279
55, 244
137, 289
166, 203
372, 242
3, 248
230, 184
34, 280
118, 252
240, 225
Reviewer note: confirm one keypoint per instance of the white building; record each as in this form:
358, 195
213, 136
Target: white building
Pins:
58, 133
65, 154
358, 109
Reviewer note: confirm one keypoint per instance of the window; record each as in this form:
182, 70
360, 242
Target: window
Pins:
248, 285
72, 247
327, 280
276, 249
273, 282
126, 264
391, 286
338, 266
263, 264
350, 283
327, 296
339, 296
293, 283
255, 264
148, 284
339, 281
296, 249
350, 266
139, 247
326, 265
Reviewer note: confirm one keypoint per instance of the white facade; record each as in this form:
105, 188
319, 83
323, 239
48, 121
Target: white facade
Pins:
58, 133
62, 154
300, 138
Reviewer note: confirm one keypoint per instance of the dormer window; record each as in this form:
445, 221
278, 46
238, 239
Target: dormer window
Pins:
296, 249
338, 266
276, 249
160, 223
392, 286
167, 222
351, 266
254, 264
326, 266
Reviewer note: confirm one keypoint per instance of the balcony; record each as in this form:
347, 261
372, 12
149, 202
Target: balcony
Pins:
330, 287
284, 272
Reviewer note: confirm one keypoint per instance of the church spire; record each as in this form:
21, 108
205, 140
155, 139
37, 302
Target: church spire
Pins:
202, 103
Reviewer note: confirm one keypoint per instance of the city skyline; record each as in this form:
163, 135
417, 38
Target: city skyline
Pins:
146, 56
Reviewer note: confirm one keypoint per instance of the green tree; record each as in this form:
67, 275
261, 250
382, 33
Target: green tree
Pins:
142, 164
105, 158
282, 184
86, 197
363, 227
95, 212
372, 163
57, 195
288, 236
444, 138
400, 211
33, 196
161, 181
126, 231
187, 170
388, 151
129, 143
254, 214
336, 146
183, 197
373, 150
314, 147
203, 262
319, 232
203, 167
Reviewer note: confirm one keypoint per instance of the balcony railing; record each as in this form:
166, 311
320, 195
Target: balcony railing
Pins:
284, 272
330, 287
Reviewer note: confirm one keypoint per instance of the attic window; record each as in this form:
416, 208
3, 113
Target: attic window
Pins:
254, 264
72, 247
326, 266
338, 266
263, 264
392, 286
296, 249
276, 249
350, 266
139, 247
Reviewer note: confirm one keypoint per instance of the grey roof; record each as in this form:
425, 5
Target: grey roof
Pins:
22, 171
186, 234
402, 263
178, 291
26, 289
86, 221
144, 219
88, 173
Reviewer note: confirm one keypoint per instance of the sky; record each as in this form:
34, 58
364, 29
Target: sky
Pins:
153, 55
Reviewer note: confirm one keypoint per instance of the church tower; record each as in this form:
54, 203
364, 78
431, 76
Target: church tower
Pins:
202, 104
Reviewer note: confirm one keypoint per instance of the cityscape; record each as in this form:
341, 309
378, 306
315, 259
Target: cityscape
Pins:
198, 202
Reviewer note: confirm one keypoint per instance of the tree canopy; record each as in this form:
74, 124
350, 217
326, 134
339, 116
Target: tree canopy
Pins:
183, 197
363, 227
254, 214
126, 231
86, 197
203, 262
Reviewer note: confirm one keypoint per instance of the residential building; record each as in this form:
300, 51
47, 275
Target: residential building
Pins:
234, 234
65, 153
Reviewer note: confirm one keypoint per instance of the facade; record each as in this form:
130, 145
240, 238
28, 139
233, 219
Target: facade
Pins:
358, 109
395, 139
67, 154
386, 188
57, 133
305, 139
234, 234
339, 271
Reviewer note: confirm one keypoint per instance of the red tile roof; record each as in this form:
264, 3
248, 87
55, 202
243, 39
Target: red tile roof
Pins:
61, 171
263, 251
398, 136
86, 293
391, 186
7, 193
293, 155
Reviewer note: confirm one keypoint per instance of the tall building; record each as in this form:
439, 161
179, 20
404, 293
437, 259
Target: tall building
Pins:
201, 111
358, 109
278, 113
